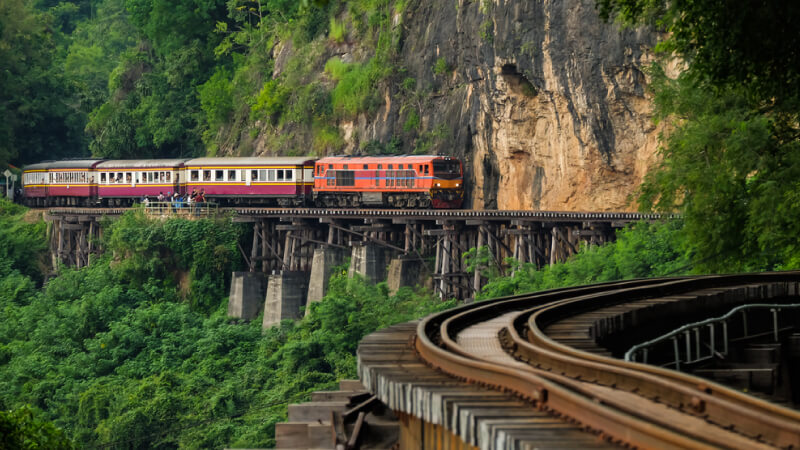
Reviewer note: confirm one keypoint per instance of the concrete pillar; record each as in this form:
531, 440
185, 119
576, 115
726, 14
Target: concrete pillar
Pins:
325, 259
404, 271
247, 291
286, 294
370, 261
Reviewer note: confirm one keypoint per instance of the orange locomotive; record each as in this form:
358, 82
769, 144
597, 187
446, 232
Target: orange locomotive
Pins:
418, 181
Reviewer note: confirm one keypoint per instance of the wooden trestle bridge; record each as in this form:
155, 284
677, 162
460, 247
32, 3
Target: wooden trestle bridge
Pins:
285, 239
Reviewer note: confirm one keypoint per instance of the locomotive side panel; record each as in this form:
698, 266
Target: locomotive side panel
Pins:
399, 181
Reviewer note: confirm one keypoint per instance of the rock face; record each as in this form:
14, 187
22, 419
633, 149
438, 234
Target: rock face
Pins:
544, 102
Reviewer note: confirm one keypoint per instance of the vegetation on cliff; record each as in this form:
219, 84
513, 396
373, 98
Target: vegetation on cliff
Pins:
731, 149
149, 78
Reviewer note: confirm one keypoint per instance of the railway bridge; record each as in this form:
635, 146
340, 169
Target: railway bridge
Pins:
695, 362
291, 251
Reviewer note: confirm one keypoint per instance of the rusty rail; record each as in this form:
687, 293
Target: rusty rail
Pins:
556, 379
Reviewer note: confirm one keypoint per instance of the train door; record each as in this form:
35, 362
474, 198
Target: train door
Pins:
93, 187
176, 183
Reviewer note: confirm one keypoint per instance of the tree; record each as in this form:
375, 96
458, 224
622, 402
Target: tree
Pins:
748, 43
37, 119
732, 135
22, 429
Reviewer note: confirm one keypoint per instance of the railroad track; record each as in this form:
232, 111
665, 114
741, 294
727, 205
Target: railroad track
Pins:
305, 212
542, 356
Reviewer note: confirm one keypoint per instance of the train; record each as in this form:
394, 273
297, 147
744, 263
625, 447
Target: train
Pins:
405, 181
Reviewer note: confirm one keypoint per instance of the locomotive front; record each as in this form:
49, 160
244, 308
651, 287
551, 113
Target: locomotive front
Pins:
447, 188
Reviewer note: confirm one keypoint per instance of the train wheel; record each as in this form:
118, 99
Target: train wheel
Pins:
412, 202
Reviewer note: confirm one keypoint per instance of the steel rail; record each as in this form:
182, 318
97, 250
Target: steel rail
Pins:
717, 403
541, 216
559, 394
580, 387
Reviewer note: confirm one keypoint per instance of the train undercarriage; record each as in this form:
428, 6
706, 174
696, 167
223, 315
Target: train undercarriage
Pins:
373, 199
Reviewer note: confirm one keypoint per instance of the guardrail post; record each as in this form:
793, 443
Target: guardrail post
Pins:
775, 322
711, 333
744, 322
725, 337
688, 335
677, 353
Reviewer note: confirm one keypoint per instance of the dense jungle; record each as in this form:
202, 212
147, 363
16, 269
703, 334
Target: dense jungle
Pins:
682, 106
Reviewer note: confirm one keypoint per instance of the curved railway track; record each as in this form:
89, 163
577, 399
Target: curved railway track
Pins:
542, 353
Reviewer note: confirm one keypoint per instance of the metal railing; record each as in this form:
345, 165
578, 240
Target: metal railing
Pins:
699, 336
181, 208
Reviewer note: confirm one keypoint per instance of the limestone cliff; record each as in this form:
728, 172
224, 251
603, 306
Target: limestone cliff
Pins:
545, 103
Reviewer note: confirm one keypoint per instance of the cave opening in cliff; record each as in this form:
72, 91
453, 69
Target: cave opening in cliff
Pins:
517, 81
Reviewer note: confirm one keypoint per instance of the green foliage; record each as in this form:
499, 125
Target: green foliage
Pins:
271, 101
412, 122
327, 140
136, 351
641, 251
720, 155
191, 253
21, 429
738, 44
487, 31
374, 147
429, 140
37, 118
337, 30
22, 242
216, 98
355, 88
729, 156
441, 66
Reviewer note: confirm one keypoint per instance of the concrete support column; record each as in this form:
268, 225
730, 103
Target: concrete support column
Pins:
369, 260
324, 260
404, 271
286, 294
247, 293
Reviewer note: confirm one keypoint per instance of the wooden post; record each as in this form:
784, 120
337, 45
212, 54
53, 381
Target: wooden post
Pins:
443, 286
476, 279
90, 245
254, 248
264, 259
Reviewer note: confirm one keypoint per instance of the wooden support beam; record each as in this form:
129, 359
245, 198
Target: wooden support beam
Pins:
264, 246
445, 264
254, 249
369, 238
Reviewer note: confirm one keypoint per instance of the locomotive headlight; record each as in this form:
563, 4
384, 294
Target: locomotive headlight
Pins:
458, 184
438, 184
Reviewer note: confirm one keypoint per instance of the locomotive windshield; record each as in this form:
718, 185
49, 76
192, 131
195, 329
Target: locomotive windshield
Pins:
449, 170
